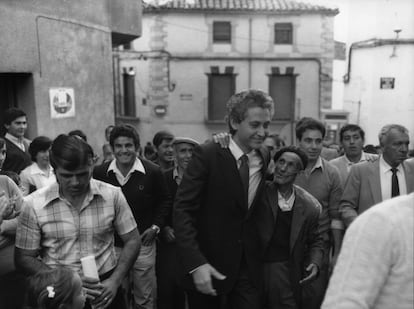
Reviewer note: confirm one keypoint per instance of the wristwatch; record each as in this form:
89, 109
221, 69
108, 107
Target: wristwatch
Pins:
155, 228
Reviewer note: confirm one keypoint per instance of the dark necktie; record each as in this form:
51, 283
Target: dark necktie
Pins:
395, 189
244, 174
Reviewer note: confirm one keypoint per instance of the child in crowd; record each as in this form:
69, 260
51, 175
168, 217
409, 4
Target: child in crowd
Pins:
59, 288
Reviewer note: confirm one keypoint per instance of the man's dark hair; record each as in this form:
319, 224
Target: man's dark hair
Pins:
40, 143
351, 127
12, 114
302, 155
70, 152
370, 149
124, 130
13, 176
308, 123
78, 133
161, 136
239, 103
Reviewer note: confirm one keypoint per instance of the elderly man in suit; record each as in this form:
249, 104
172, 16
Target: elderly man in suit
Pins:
170, 293
216, 236
369, 183
352, 139
288, 223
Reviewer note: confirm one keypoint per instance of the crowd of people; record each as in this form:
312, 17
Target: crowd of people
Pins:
241, 221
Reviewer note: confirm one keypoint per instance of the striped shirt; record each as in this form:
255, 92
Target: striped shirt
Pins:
64, 234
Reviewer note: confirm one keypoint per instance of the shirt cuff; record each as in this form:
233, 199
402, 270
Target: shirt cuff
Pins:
191, 271
337, 224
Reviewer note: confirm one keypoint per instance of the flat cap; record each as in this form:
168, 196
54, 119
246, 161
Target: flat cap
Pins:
187, 140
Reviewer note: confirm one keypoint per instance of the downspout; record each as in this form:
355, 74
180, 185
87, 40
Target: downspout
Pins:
371, 43
249, 61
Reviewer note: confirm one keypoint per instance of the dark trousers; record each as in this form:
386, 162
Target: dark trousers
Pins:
170, 293
314, 292
244, 295
278, 292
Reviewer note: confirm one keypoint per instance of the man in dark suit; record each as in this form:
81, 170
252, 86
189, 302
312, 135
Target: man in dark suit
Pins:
216, 237
144, 187
370, 183
17, 146
288, 220
170, 293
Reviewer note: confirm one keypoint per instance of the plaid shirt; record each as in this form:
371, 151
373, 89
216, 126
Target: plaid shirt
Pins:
63, 235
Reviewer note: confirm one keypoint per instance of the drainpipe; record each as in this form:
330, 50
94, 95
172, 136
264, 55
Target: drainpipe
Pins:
249, 61
371, 43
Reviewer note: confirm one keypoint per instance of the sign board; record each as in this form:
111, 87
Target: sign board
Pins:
62, 102
387, 83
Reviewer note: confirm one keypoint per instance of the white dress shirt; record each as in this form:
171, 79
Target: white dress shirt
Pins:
121, 179
255, 167
385, 178
33, 175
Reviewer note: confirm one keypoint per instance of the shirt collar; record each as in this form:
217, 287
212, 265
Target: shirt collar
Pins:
318, 164
53, 192
138, 166
362, 159
15, 140
35, 170
286, 205
385, 167
237, 152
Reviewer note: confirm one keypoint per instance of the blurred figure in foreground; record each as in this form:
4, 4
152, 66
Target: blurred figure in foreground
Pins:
375, 267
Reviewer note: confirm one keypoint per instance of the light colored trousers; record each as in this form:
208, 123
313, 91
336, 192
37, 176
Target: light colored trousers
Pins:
143, 278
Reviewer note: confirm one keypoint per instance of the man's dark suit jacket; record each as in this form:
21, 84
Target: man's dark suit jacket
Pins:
146, 194
211, 219
306, 243
172, 187
16, 159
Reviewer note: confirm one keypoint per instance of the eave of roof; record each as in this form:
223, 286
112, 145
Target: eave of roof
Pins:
236, 6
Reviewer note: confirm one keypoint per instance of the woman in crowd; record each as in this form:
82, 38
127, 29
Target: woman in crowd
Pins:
40, 173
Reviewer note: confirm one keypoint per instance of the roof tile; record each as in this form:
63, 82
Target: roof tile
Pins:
235, 5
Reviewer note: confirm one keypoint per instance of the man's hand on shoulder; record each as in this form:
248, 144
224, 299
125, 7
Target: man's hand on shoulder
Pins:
222, 138
202, 277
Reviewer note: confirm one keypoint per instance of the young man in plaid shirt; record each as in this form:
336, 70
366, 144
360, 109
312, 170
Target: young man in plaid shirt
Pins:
77, 217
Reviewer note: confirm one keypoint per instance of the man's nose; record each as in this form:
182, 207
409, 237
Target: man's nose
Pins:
74, 180
261, 130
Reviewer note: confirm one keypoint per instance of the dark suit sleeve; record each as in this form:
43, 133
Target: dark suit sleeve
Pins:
186, 208
349, 202
315, 239
164, 199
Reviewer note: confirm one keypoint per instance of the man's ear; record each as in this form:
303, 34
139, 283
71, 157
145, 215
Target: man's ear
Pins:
234, 125
7, 126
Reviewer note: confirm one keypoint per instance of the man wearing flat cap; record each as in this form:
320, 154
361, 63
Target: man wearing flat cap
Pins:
289, 232
170, 293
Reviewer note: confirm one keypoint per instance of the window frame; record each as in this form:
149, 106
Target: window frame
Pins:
287, 31
224, 35
210, 116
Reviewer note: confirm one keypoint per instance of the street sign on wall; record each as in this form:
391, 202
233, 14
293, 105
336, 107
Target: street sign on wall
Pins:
62, 102
387, 83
